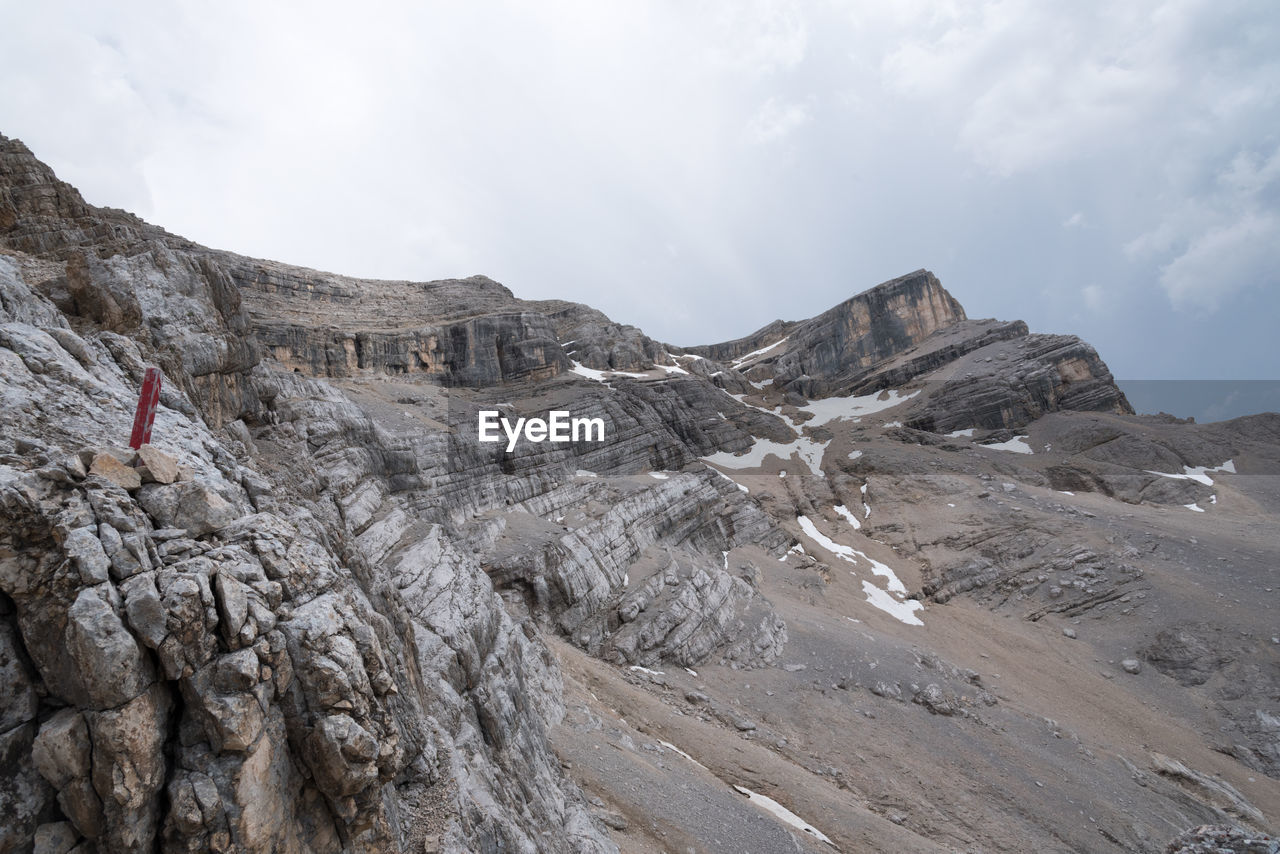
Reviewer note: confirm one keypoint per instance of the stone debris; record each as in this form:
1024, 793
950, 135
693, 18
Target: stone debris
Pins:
1222, 840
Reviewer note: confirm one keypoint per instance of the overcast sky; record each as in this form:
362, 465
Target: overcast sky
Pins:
696, 168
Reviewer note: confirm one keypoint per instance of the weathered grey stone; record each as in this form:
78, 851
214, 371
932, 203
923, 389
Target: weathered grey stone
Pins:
18, 700
144, 610
232, 721
82, 805
188, 505
129, 767
85, 551
1207, 839
339, 753
61, 749
111, 666
55, 838
128, 558
936, 700
233, 603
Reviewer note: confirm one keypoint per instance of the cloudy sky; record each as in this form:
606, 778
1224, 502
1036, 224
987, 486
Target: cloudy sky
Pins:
700, 168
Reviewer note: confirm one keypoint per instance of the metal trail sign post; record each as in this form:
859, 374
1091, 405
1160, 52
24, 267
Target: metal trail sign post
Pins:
146, 414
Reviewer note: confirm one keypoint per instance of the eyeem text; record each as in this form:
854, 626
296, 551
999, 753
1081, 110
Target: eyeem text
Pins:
558, 427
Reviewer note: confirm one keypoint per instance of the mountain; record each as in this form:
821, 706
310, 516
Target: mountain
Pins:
887, 579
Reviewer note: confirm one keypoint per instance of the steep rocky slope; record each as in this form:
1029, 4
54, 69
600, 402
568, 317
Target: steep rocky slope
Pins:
922, 581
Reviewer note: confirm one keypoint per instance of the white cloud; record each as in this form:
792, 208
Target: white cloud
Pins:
1220, 241
1094, 297
562, 146
757, 36
776, 120
1223, 260
1031, 84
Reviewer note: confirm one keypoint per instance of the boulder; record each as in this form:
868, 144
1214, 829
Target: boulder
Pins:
188, 504
61, 749
57, 837
157, 466
109, 468
108, 660
340, 754
85, 550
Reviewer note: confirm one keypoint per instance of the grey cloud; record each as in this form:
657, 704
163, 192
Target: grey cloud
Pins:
699, 169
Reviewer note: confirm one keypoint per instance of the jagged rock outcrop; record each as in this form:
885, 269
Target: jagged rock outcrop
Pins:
195, 672
1018, 381
910, 331
594, 340
111, 270
823, 354
457, 332
867, 329
240, 643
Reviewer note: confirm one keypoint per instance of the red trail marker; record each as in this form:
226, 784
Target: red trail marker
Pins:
146, 409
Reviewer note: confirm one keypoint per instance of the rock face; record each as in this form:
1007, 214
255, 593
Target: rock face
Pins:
1019, 381
845, 341
319, 615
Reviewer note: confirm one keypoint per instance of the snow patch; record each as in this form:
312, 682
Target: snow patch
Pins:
1195, 507
843, 552
601, 376
904, 611
959, 434
1200, 474
669, 746
853, 455
796, 548
853, 520
635, 668
852, 555
809, 450
584, 473
659, 475
755, 353
1016, 445
854, 407
784, 814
